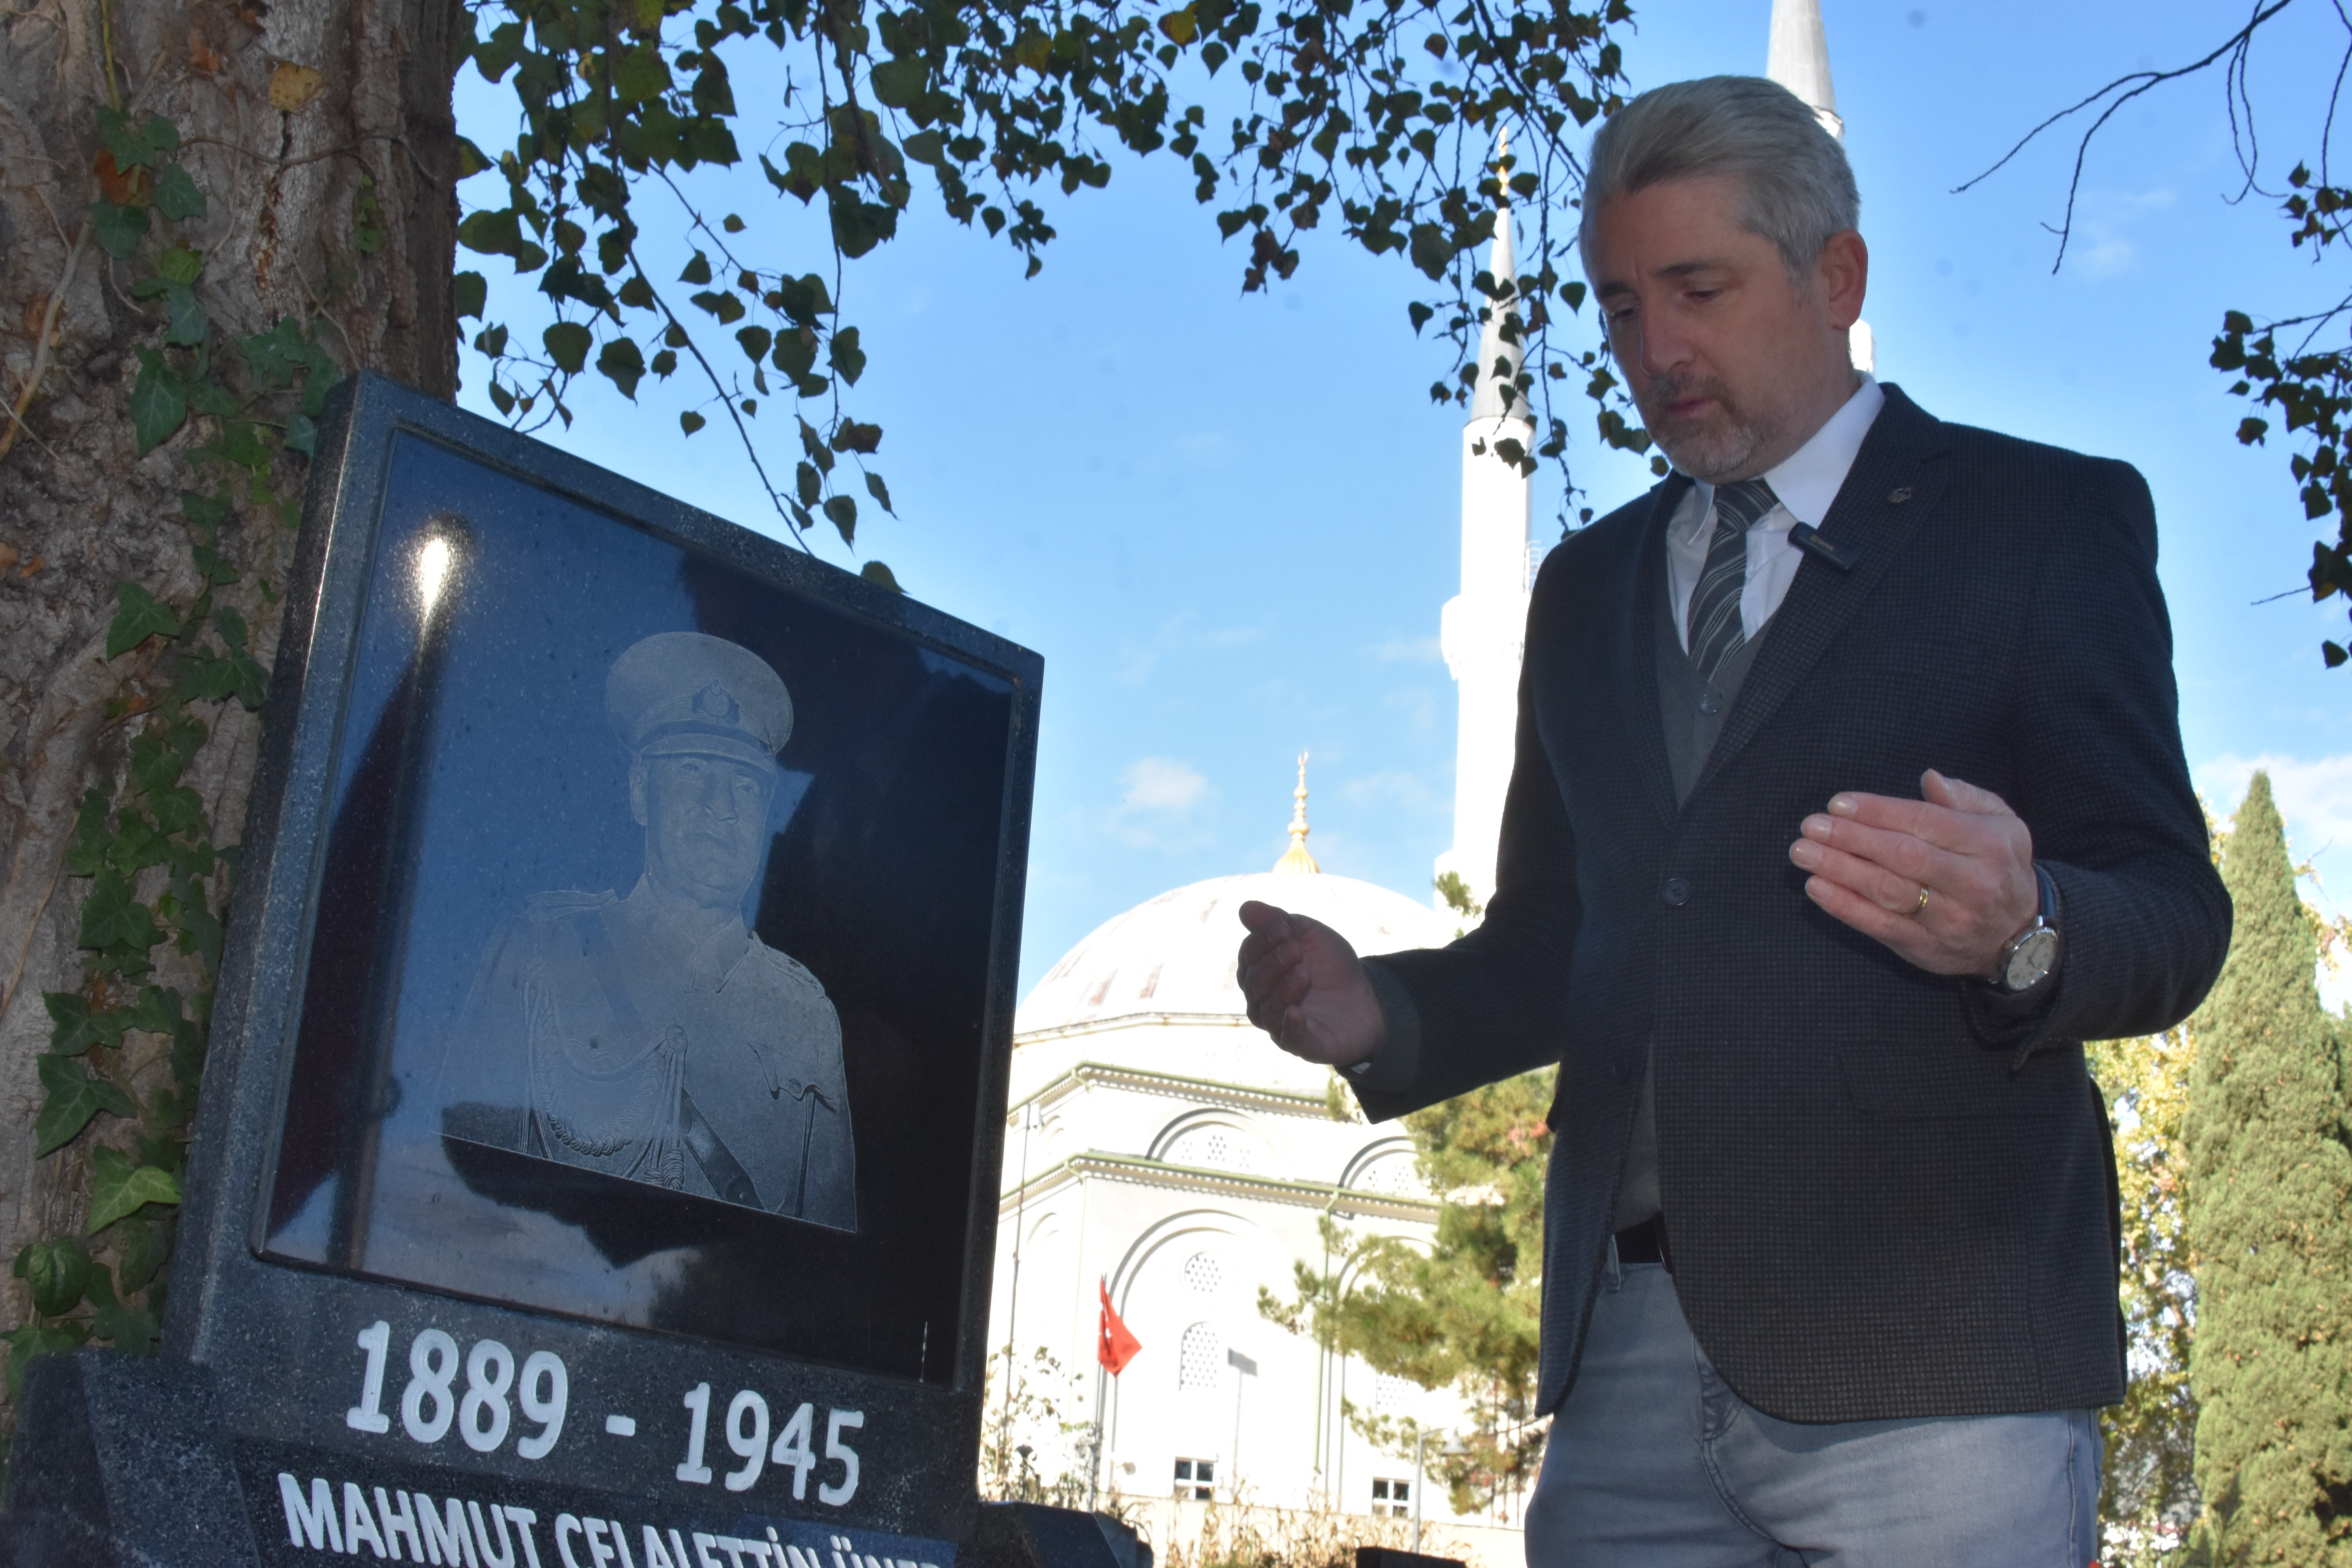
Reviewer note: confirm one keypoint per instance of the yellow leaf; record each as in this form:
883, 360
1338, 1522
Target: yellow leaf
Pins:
1179, 26
292, 86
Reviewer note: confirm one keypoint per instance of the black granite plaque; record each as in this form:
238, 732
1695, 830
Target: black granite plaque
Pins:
607, 1080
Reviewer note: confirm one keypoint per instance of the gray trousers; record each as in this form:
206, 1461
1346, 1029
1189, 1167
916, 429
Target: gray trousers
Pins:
1654, 1462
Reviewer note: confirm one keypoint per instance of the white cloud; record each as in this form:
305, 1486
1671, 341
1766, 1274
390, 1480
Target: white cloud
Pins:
1405, 651
2314, 795
2102, 244
1162, 785
1158, 799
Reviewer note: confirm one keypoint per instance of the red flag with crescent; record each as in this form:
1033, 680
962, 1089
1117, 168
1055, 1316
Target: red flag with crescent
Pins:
1116, 1345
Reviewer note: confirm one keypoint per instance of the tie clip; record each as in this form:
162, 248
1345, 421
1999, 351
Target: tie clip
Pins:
1805, 537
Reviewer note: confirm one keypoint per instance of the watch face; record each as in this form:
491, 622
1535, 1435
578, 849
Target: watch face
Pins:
2031, 959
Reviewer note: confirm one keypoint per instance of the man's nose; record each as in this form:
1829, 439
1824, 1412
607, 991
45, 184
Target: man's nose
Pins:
1664, 346
717, 799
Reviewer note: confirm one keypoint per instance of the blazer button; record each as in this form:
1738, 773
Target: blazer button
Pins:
1710, 702
1674, 890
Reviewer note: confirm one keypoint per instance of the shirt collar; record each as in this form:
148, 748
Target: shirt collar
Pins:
1808, 480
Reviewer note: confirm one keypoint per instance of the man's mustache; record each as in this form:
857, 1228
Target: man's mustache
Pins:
1672, 389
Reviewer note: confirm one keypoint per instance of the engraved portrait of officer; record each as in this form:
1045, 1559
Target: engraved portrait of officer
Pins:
654, 1037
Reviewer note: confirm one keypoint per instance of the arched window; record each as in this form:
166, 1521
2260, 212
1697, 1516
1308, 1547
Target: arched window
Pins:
1199, 1358
1204, 1273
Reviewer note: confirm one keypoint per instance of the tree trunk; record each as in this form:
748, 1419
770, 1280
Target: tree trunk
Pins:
320, 134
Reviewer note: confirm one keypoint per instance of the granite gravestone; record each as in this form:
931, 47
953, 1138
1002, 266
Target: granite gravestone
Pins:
597, 1160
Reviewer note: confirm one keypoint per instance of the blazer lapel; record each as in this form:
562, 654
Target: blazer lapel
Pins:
1892, 488
1635, 671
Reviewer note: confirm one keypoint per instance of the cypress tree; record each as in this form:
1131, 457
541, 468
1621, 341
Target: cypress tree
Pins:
2270, 1175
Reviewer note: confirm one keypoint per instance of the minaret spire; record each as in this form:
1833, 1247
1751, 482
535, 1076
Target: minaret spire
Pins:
1482, 627
1296, 859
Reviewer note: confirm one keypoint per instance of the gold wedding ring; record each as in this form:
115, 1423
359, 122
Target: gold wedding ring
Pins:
1913, 912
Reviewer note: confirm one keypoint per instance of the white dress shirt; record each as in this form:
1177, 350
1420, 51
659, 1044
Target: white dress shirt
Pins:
1805, 484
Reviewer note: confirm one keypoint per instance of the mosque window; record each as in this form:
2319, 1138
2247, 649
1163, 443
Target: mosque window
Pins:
1203, 1273
1215, 1145
1200, 1358
1196, 1479
1391, 1499
1394, 1394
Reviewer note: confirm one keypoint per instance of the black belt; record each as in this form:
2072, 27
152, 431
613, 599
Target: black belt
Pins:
1645, 1242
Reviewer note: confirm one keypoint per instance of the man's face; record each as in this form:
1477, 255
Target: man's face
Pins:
1733, 364
706, 821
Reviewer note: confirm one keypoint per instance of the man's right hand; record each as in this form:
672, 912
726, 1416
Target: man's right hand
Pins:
1306, 988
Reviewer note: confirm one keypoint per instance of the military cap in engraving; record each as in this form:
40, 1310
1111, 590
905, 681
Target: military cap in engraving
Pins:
684, 693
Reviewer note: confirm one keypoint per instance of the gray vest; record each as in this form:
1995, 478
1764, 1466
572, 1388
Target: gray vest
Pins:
1691, 711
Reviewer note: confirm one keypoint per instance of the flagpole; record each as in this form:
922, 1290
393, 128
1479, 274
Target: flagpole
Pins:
1093, 1457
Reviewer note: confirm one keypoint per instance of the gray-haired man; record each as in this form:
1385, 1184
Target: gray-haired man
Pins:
1828, 1269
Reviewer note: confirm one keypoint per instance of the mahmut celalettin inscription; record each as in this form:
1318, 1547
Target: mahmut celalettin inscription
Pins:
652, 1035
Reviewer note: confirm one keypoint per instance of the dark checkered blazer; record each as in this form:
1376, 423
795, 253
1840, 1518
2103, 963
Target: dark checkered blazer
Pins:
1883, 1198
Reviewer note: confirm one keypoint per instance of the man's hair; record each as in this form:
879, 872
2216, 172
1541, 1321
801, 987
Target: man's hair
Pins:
1799, 188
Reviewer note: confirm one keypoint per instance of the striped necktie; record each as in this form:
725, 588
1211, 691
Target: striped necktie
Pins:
1715, 632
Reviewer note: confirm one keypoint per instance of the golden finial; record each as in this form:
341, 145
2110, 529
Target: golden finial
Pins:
1296, 859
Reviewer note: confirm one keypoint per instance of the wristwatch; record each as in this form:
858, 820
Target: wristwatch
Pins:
2028, 963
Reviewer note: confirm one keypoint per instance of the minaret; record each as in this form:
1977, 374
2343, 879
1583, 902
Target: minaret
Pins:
1481, 628
1799, 58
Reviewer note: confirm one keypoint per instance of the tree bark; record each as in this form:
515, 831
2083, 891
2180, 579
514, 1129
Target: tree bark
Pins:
340, 212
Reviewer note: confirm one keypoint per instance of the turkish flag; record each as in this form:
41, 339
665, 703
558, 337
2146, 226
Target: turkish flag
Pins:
1116, 1345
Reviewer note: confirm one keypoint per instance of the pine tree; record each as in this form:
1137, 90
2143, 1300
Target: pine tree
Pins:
2270, 1175
1463, 1311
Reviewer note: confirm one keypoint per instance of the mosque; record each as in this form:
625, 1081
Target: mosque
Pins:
1158, 1147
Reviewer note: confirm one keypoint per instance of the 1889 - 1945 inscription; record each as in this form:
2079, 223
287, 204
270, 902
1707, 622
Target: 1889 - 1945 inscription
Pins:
597, 1157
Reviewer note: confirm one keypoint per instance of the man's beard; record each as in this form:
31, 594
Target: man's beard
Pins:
1716, 447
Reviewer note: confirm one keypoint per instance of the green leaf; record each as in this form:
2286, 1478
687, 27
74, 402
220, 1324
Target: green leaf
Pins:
117, 229
471, 161
118, 1189
690, 422
492, 232
880, 492
696, 270
158, 407
302, 434
567, 344
176, 196
114, 922
76, 1026
139, 617
640, 74
471, 292
841, 511
187, 325
156, 137
31, 1343
847, 356
623, 363
146, 1247
180, 265
130, 1327
874, 572
57, 1272
74, 1097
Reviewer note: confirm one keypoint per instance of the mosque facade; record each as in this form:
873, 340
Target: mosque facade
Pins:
1161, 1154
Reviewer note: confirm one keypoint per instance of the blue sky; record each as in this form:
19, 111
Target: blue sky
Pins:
1228, 523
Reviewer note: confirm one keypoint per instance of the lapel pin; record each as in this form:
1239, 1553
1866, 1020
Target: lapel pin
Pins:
1898, 495
1805, 537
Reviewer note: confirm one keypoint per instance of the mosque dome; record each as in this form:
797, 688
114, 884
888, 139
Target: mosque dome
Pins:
1175, 953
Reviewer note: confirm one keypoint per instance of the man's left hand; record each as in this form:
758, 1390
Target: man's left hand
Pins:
1872, 856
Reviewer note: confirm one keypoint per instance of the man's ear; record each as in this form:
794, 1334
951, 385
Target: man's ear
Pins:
637, 791
1842, 272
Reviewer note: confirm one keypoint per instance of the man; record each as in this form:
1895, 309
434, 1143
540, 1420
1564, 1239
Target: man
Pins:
1830, 1269
653, 1038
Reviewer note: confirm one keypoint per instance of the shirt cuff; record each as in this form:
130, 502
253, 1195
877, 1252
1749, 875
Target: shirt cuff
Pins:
1394, 1067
